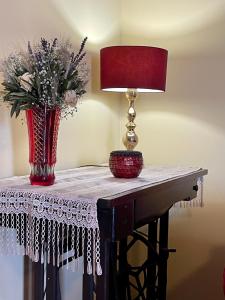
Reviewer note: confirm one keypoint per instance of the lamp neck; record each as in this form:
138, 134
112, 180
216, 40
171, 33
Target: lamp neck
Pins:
131, 94
130, 139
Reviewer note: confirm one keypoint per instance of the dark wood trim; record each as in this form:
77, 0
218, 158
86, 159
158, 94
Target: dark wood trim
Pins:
37, 273
52, 284
118, 199
103, 282
163, 256
152, 271
27, 271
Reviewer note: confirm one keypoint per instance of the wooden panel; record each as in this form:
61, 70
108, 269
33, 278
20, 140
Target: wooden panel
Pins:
154, 203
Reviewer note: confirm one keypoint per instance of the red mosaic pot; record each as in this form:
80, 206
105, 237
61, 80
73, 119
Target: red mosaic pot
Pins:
126, 164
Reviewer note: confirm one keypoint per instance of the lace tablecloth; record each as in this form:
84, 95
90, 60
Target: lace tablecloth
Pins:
69, 208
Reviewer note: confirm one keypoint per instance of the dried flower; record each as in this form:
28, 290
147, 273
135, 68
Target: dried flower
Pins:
26, 81
70, 98
48, 74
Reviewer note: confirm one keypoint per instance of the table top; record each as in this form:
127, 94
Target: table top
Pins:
79, 193
91, 184
113, 200
91, 200
120, 214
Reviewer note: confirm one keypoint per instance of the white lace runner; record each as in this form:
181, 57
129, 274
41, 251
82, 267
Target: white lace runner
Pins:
53, 220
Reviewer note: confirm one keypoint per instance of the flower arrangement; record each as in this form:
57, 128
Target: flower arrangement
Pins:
48, 75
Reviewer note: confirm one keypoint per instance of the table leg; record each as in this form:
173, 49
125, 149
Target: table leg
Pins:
102, 282
124, 290
163, 256
27, 271
37, 281
107, 284
52, 283
113, 274
88, 280
33, 280
151, 267
88, 287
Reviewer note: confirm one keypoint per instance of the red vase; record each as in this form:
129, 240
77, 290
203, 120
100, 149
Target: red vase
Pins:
43, 125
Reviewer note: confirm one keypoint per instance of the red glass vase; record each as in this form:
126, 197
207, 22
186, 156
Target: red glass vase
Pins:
43, 125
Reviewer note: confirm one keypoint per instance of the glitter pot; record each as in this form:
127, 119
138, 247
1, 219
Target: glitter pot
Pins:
125, 164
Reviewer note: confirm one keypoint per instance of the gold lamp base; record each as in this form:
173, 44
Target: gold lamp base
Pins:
130, 138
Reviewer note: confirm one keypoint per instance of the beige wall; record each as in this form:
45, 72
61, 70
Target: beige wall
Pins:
94, 130
186, 125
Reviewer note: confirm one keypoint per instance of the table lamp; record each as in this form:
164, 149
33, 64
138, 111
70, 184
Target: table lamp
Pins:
133, 70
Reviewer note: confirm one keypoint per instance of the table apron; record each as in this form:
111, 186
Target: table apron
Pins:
154, 203
119, 221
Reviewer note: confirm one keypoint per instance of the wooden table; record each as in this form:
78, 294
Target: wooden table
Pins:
119, 217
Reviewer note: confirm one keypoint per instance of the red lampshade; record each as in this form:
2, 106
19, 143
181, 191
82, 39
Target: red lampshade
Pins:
134, 67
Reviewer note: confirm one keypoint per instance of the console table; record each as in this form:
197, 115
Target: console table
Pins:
119, 216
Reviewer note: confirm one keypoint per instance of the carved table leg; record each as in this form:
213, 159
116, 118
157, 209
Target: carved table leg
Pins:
152, 267
52, 284
163, 256
124, 291
88, 280
35, 289
33, 280
107, 284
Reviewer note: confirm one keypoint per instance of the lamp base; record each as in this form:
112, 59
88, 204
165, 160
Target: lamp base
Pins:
125, 163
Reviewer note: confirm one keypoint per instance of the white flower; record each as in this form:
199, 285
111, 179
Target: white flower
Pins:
70, 98
26, 81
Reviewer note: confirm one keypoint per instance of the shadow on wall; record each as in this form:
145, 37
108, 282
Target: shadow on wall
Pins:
199, 284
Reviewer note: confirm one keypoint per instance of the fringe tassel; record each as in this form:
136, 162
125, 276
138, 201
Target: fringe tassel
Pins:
49, 242
73, 248
17, 234
33, 238
27, 251
42, 241
12, 238
82, 249
36, 240
196, 202
58, 240
89, 253
97, 248
53, 243
62, 236
67, 247
46, 241
77, 247
22, 234
201, 184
